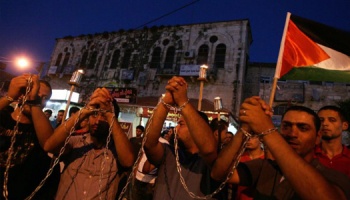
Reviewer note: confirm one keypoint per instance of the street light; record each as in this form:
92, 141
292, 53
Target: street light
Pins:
23, 63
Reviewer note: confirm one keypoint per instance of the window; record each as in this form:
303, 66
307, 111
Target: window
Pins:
65, 62
115, 59
93, 60
169, 58
126, 59
220, 54
58, 60
203, 52
83, 60
155, 62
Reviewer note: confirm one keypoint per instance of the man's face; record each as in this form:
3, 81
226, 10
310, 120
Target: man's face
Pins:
47, 114
331, 124
182, 130
138, 132
98, 125
59, 116
253, 143
299, 131
44, 94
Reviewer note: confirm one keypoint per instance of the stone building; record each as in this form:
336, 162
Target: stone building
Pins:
144, 60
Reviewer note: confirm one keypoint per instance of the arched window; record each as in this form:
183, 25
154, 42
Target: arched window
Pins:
115, 59
84, 60
203, 52
65, 61
58, 60
93, 60
169, 58
155, 62
126, 59
220, 54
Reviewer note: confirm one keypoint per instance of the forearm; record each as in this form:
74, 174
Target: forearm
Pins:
153, 148
201, 133
41, 124
298, 172
227, 155
4, 102
58, 138
122, 144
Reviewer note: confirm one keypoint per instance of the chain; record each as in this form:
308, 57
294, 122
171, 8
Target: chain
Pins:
13, 138
57, 159
222, 185
139, 155
105, 155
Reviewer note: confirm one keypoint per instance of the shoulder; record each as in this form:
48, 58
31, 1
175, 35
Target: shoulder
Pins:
334, 177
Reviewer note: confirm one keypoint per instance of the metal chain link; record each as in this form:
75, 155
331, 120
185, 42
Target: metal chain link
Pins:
131, 176
13, 138
57, 159
108, 140
222, 185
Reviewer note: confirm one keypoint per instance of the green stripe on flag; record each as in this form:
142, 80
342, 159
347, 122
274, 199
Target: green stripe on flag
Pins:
317, 74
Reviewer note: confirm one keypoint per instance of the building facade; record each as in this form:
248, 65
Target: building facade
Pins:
146, 59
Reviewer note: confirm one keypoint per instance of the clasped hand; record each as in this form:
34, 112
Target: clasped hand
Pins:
176, 91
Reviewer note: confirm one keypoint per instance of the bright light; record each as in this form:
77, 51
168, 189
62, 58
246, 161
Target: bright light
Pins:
22, 62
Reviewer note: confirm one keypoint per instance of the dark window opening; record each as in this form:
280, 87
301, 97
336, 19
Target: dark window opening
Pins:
203, 52
169, 58
220, 54
155, 62
115, 59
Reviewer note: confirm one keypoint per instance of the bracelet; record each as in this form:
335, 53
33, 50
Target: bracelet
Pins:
9, 99
268, 131
175, 109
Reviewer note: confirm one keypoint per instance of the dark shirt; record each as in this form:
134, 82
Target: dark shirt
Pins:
29, 163
267, 178
136, 143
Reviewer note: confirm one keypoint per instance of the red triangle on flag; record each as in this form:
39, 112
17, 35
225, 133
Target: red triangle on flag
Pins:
300, 50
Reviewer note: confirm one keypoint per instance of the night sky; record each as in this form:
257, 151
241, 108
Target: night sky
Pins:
30, 27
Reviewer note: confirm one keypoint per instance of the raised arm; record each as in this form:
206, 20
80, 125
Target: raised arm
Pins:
198, 128
153, 148
296, 170
121, 141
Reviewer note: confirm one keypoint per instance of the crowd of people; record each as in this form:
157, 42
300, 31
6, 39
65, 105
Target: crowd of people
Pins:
303, 159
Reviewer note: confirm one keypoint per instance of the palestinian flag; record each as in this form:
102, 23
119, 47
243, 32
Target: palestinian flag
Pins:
313, 51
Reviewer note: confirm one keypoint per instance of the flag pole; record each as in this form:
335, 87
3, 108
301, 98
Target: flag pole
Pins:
279, 61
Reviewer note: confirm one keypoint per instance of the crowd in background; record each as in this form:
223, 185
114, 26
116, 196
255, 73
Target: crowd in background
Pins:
90, 157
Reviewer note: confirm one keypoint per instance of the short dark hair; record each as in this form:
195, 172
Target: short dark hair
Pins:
47, 84
140, 127
48, 111
337, 109
215, 124
60, 111
317, 121
73, 110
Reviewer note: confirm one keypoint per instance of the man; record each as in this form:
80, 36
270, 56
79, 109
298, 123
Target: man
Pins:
253, 151
48, 113
294, 174
194, 162
222, 127
73, 110
59, 118
29, 163
331, 153
137, 141
94, 161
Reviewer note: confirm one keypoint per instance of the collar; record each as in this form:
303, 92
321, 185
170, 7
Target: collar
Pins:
345, 151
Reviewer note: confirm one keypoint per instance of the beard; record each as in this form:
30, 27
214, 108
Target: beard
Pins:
330, 137
102, 131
